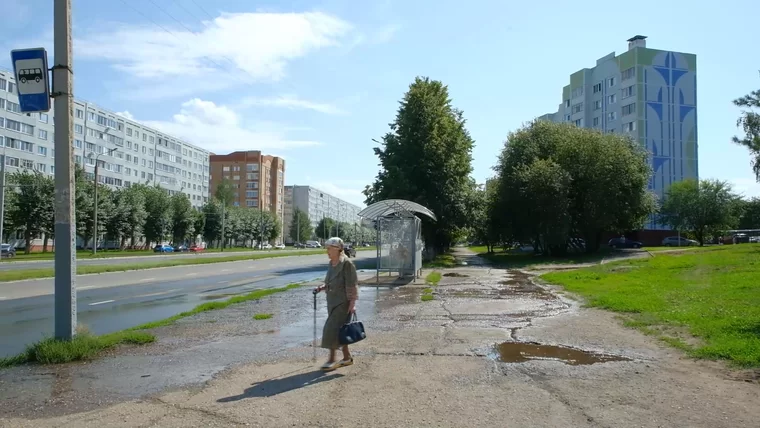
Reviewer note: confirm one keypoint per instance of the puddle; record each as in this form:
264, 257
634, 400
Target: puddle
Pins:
519, 283
455, 275
521, 352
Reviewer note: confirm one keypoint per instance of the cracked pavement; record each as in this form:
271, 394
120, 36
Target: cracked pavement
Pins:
429, 363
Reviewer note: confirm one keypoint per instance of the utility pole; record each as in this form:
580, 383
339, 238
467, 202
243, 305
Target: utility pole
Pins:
298, 227
65, 236
223, 205
95, 215
2, 197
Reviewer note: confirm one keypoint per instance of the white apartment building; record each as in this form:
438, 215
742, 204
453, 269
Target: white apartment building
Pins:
142, 155
317, 204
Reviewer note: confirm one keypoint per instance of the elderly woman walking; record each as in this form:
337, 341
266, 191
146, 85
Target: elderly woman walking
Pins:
341, 286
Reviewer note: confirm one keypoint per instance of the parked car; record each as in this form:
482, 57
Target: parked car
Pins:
349, 251
299, 245
163, 248
180, 248
280, 246
675, 241
741, 238
313, 244
266, 246
195, 248
624, 243
8, 251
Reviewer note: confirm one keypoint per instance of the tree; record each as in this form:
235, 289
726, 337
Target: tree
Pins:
225, 192
749, 122
131, 203
426, 158
601, 179
182, 220
701, 207
325, 228
199, 224
157, 220
749, 217
300, 226
212, 227
84, 204
31, 207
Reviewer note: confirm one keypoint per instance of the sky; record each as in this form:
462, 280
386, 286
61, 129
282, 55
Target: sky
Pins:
316, 81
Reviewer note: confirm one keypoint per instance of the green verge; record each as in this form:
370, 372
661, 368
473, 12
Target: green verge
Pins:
433, 278
259, 317
441, 261
706, 303
212, 306
22, 274
86, 346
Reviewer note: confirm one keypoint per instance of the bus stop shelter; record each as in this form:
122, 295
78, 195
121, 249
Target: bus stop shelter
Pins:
399, 235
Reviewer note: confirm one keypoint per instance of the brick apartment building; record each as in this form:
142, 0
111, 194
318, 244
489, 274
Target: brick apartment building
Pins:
258, 178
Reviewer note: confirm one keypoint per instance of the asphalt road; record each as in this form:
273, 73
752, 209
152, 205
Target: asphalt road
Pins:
114, 301
43, 264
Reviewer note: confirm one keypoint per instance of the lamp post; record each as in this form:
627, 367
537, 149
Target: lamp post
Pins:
95, 214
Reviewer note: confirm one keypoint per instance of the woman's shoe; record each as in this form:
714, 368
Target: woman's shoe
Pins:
330, 366
344, 363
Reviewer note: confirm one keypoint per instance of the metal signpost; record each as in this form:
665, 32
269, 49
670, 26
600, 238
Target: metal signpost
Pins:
30, 68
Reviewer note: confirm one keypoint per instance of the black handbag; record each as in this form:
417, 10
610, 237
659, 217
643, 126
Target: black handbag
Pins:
352, 331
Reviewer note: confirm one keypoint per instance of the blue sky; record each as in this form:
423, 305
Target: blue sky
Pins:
315, 81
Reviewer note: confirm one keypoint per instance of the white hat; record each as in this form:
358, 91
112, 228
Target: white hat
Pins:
334, 242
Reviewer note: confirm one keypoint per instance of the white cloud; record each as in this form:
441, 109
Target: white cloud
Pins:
747, 187
219, 129
126, 115
352, 194
232, 49
291, 102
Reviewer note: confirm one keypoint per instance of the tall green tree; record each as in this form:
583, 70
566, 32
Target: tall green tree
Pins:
212, 225
300, 226
426, 158
132, 212
325, 228
199, 224
749, 122
704, 208
84, 204
31, 208
225, 192
601, 179
750, 214
182, 219
158, 220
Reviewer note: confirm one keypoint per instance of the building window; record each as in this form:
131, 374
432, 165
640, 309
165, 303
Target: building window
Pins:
78, 129
577, 92
226, 169
567, 103
579, 123
629, 109
595, 121
43, 118
577, 108
628, 74
236, 168
42, 151
598, 88
80, 114
627, 92
252, 167
629, 127
236, 177
27, 164
252, 194
611, 99
42, 134
611, 81
252, 185
611, 116
598, 105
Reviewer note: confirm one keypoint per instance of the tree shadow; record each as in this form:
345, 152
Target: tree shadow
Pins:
275, 386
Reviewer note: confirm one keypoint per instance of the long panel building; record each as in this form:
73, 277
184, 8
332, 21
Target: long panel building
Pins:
141, 155
317, 204
649, 94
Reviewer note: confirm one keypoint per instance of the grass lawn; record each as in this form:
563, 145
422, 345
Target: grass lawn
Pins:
704, 302
21, 274
441, 261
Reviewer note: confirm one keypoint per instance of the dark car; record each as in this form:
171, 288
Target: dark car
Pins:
8, 252
349, 251
624, 243
180, 248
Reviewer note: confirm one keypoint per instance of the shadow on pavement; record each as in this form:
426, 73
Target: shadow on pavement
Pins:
275, 386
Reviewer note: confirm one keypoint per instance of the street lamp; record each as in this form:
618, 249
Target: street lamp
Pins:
95, 215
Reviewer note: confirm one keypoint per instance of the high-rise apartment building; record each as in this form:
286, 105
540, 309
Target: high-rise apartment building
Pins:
649, 94
317, 204
258, 179
141, 155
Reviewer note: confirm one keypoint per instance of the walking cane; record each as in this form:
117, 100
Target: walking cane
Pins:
314, 344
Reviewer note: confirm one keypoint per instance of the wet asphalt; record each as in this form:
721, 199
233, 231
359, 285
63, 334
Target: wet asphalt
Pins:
119, 300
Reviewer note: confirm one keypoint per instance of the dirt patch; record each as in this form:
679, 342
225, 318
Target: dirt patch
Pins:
520, 283
455, 275
521, 352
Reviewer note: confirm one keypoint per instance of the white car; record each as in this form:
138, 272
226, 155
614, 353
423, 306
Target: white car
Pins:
266, 247
280, 246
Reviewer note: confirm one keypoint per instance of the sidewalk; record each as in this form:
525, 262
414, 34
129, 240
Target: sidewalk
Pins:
436, 364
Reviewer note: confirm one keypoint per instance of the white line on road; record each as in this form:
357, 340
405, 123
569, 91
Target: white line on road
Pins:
102, 303
147, 279
222, 282
225, 270
191, 274
87, 287
3, 298
160, 293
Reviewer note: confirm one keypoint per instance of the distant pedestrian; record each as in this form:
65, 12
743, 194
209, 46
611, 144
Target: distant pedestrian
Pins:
341, 286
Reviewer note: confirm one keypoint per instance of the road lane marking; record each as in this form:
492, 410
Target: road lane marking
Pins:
102, 303
222, 282
160, 293
3, 298
225, 270
87, 287
147, 279
191, 274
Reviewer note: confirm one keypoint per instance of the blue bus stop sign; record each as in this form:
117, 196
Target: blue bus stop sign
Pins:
30, 67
